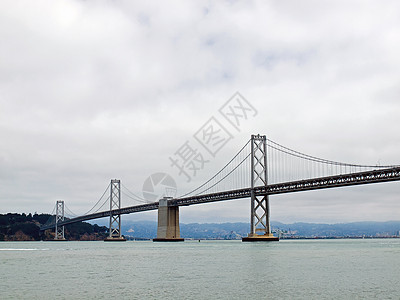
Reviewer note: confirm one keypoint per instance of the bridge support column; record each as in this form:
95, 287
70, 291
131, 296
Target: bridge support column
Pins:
59, 232
115, 219
168, 222
259, 221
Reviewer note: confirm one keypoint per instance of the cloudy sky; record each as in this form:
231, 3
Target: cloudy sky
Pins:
94, 90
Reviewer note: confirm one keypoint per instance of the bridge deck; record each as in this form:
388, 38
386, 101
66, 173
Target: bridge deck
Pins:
375, 176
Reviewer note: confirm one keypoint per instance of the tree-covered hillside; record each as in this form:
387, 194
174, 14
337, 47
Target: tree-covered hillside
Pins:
26, 227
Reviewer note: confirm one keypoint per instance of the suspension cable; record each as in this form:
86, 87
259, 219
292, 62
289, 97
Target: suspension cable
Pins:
135, 199
133, 195
316, 159
98, 200
196, 189
69, 211
225, 175
104, 203
51, 218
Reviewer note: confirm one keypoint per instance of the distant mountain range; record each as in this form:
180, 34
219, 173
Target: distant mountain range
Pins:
355, 229
148, 230
25, 227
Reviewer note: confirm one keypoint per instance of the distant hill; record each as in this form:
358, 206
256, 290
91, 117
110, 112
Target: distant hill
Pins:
23, 227
148, 230
355, 229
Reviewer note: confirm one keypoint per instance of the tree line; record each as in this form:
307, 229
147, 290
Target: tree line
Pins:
26, 227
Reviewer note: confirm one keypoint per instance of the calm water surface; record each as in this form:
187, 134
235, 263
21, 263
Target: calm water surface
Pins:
309, 269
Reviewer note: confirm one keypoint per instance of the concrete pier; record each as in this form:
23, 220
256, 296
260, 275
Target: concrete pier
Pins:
269, 237
115, 239
168, 223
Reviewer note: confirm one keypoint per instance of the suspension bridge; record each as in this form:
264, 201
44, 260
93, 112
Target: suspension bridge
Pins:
261, 168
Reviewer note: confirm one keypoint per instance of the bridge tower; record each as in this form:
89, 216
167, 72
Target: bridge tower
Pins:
260, 213
59, 232
115, 218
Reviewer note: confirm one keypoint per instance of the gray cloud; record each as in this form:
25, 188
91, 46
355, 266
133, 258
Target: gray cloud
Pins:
91, 91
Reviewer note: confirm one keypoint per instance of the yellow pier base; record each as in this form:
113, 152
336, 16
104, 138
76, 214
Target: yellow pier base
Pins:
115, 239
260, 238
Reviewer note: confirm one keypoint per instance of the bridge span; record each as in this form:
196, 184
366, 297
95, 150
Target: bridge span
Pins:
168, 208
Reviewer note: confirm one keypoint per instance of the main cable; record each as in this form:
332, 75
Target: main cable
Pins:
316, 159
196, 189
98, 200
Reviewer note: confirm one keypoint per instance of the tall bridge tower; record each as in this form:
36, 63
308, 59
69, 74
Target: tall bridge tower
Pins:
260, 213
59, 230
115, 218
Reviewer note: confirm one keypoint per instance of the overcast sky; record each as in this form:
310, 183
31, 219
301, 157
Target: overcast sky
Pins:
94, 90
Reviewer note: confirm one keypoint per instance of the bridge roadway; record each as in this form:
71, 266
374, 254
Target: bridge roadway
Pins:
374, 176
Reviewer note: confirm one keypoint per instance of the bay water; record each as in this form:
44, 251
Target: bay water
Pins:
288, 269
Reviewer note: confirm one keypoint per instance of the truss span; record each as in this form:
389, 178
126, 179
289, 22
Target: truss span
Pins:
349, 179
122, 211
375, 176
